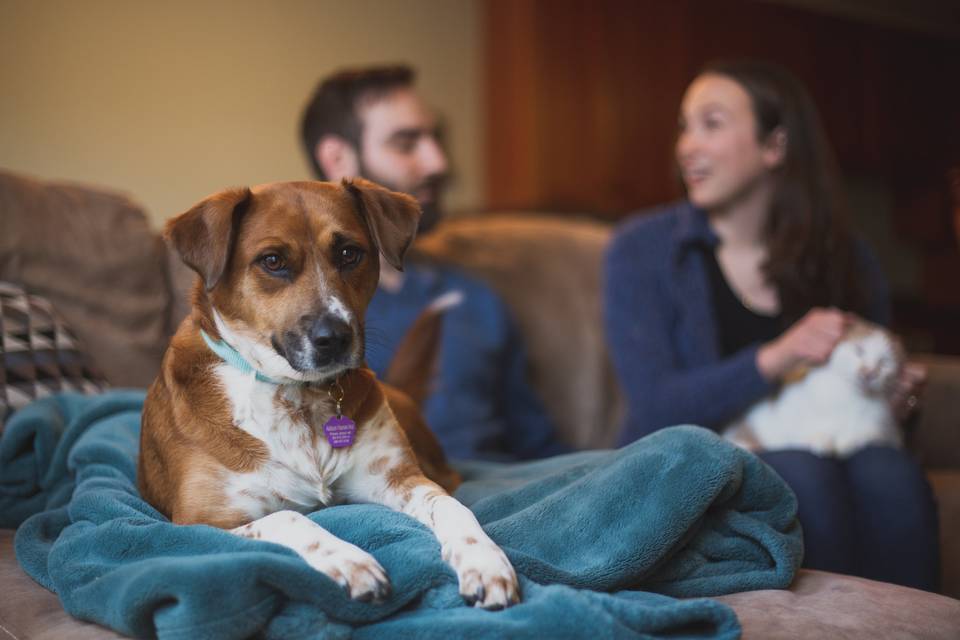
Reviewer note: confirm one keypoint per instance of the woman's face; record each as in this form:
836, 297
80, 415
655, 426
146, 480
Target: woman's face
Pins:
721, 161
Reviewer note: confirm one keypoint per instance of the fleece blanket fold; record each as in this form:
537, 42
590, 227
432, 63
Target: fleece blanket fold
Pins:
605, 542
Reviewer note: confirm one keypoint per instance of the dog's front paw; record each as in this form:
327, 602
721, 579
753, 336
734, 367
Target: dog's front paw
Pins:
344, 563
351, 567
487, 578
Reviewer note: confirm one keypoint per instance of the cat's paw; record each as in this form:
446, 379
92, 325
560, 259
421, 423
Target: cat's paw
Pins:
748, 443
824, 445
848, 444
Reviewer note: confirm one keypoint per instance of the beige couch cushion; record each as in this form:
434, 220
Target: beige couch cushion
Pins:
93, 255
548, 270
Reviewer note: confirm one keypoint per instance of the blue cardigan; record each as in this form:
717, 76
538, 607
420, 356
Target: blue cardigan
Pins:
481, 404
662, 330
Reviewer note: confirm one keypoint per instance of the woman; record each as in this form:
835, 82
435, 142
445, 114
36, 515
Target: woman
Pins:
711, 302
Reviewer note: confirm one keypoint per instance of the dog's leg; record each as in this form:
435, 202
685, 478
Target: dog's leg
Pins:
487, 578
342, 562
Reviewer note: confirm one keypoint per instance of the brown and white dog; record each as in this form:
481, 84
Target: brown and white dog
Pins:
232, 427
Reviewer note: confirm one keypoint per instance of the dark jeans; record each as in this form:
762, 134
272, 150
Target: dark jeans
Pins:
871, 515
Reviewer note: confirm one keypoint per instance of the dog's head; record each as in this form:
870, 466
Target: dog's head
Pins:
289, 268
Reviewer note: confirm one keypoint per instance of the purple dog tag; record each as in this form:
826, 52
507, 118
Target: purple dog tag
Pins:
340, 431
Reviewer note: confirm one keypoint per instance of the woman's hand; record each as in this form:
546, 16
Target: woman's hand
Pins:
808, 342
906, 392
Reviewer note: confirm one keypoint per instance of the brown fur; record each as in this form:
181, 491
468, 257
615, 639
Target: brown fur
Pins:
188, 439
425, 446
180, 463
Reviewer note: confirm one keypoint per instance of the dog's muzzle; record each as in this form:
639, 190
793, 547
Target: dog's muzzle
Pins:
325, 342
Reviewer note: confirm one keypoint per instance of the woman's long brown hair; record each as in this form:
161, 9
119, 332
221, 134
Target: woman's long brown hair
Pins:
811, 254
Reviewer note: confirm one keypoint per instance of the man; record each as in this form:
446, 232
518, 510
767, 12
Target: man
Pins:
372, 123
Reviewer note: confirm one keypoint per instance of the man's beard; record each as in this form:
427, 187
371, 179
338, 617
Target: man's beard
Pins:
432, 211
430, 217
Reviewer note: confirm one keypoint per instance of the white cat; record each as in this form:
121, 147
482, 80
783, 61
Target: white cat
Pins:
833, 409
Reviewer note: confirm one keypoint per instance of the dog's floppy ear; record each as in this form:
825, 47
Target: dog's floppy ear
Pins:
204, 235
391, 217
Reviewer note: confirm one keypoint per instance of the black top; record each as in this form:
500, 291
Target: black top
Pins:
737, 326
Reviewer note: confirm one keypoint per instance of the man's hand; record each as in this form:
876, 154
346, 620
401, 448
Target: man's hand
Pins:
808, 342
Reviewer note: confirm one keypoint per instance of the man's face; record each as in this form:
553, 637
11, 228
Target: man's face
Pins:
401, 150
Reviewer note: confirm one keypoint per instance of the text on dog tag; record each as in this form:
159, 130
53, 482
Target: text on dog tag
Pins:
340, 431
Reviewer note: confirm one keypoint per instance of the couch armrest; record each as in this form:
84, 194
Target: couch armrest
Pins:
936, 439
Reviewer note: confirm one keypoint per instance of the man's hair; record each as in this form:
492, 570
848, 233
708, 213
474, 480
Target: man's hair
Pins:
332, 109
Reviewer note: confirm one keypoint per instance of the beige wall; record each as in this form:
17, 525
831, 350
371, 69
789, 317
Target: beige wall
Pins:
169, 101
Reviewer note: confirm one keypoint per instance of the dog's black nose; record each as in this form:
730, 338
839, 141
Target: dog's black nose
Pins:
331, 338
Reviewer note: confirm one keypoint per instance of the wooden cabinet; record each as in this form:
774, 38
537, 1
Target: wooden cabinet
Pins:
582, 99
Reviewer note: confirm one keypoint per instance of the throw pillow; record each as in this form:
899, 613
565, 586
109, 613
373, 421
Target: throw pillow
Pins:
39, 354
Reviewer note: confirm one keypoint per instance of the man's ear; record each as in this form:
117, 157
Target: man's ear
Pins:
775, 148
391, 217
204, 236
337, 157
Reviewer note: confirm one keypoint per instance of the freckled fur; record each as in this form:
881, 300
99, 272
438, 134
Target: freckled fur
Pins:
199, 439
379, 465
222, 448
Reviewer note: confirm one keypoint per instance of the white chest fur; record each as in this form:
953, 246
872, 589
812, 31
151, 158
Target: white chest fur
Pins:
302, 467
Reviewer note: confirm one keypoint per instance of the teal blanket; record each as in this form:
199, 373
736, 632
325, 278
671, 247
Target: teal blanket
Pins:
604, 541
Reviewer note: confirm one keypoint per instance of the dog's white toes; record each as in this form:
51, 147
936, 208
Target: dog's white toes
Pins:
368, 584
492, 594
487, 579
354, 569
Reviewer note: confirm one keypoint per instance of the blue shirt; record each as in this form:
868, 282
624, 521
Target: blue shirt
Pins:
481, 404
662, 329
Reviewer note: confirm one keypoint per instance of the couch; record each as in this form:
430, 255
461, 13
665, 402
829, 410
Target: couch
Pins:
93, 253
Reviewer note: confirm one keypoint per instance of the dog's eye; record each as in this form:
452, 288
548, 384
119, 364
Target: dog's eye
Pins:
349, 256
273, 262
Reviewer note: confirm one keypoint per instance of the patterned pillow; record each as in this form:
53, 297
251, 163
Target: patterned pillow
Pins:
39, 355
